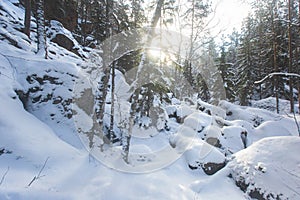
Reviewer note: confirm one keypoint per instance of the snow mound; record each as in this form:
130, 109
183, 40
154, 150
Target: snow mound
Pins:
270, 104
179, 112
255, 116
273, 128
233, 139
269, 169
204, 156
198, 121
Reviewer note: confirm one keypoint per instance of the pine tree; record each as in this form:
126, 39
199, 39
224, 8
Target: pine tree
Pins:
104, 79
269, 42
245, 69
226, 64
137, 13
290, 50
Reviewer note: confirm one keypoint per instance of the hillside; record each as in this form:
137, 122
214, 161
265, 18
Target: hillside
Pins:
188, 149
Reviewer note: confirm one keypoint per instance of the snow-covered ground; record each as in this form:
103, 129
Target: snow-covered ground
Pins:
249, 152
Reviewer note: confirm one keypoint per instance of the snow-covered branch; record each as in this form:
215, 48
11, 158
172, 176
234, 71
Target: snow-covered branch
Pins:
276, 74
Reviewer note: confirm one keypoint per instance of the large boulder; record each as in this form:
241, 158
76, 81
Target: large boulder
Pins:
63, 41
268, 169
58, 34
202, 156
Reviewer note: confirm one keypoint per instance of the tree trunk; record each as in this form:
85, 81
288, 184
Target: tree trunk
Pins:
134, 87
192, 31
290, 68
41, 33
157, 13
27, 18
103, 84
112, 108
276, 78
275, 65
298, 49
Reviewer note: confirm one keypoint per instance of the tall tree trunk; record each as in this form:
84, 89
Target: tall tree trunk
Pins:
275, 65
192, 31
290, 68
84, 20
41, 32
103, 84
134, 87
276, 77
297, 61
112, 108
27, 18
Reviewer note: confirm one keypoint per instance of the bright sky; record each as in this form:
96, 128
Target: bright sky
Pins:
228, 14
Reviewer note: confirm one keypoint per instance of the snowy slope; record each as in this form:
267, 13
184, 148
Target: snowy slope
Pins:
39, 137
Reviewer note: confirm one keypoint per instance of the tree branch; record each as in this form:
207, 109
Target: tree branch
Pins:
39, 174
276, 74
3, 177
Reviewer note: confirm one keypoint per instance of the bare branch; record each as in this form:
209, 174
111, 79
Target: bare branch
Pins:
39, 174
3, 177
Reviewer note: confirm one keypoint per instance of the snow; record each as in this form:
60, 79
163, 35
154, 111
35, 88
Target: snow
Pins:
270, 104
197, 121
183, 111
232, 138
202, 152
271, 165
254, 142
217, 187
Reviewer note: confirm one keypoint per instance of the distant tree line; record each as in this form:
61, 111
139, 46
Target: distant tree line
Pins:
269, 42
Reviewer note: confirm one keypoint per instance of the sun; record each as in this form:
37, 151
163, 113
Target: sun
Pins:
157, 54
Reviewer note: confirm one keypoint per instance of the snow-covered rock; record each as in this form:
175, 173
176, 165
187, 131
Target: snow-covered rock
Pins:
255, 116
179, 112
201, 155
269, 169
234, 139
64, 38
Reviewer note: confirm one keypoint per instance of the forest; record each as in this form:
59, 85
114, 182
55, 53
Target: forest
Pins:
94, 93
266, 44
258, 61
